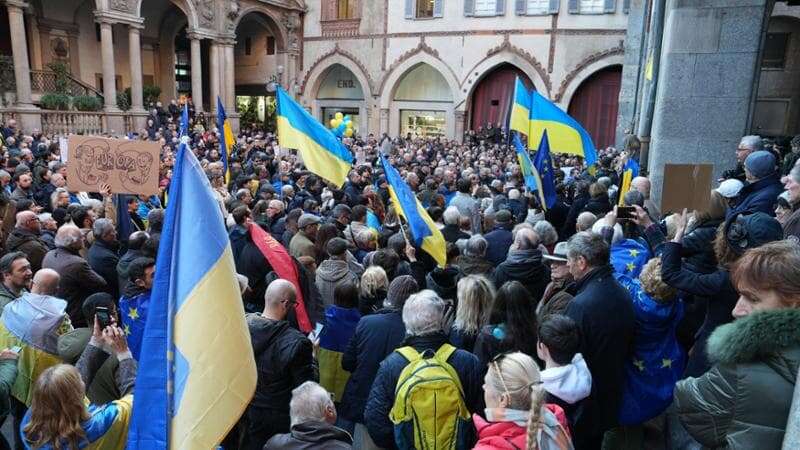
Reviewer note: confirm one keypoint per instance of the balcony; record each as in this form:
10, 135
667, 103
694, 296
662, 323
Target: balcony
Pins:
339, 28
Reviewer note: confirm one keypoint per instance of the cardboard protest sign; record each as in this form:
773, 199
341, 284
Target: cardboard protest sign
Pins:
686, 186
129, 167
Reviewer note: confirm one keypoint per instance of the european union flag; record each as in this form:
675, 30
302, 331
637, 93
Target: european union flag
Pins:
525, 164
424, 232
226, 139
566, 134
543, 168
629, 172
196, 369
628, 257
322, 152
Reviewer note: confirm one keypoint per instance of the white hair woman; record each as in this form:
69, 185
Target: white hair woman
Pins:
475, 297
372, 290
515, 410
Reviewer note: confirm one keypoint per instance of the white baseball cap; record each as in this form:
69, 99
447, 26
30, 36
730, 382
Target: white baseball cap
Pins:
730, 188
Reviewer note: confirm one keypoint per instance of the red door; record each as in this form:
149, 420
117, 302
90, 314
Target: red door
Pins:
491, 98
595, 105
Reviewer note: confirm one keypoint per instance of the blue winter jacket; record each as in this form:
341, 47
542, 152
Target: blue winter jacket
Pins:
759, 196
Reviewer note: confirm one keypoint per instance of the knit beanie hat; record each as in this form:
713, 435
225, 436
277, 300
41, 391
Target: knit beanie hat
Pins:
400, 289
760, 164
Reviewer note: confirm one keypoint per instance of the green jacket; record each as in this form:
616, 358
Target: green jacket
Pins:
7, 296
8, 374
103, 388
743, 402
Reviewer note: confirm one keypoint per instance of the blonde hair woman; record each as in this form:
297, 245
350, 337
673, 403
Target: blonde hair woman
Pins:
516, 412
372, 291
475, 298
58, 418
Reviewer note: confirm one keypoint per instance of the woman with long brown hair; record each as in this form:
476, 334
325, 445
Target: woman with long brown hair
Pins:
58, 418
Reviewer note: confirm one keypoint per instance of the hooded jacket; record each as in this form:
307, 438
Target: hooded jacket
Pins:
443, 282
284, 361
332, 273
759, 196
570, 383
312, 435
526, 267
27, 242
743, 402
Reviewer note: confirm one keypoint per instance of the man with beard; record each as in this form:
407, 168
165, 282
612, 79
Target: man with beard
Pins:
102, 255
353, 188
16, 272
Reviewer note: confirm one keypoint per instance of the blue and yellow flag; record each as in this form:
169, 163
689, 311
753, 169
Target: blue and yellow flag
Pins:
321, 151
196, 370
184, 128
226, 139
543, 167
629, 172
519, 119
424, 232
525, 165
566, 135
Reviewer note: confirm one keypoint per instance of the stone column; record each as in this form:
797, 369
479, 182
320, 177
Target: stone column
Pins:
27, 113
707, 77
135, 54
230, 87
34, 41
459, 125
197, 73
213, 73
114, 121
19, 46
385, 121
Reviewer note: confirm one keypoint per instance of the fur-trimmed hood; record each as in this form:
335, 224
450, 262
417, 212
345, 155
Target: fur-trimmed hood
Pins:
752, 337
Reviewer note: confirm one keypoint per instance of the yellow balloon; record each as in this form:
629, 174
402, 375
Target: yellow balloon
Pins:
333, 123
339, 116
336, 123
348, 132
349, 125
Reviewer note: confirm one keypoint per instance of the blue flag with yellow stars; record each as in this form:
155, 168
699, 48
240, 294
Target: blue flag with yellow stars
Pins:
133, 312
629, 257
543, 167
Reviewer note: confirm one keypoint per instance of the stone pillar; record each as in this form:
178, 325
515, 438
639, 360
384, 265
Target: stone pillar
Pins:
197, 73
34, 41
114, 122
230, 79
385, 122
213, 73
630, 93
27, 113
135, 55
708, 73
459, 125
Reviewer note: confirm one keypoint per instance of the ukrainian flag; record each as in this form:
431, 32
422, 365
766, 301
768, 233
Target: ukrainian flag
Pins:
424, 231
629, 172
322, 152
525, 165
519, 119
226, 140
565, 133
196, 370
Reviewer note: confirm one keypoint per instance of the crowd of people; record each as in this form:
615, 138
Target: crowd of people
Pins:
574, 326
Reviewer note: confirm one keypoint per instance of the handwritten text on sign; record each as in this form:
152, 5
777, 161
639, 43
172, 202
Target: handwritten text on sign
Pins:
130, 167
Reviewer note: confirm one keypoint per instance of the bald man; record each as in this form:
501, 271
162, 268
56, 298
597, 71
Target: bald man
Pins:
524, 264
45, 282
277, 217
26, 238
642, 184
284, 357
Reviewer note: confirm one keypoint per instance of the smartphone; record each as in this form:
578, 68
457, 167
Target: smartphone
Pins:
626, 212
103, 317
16, 349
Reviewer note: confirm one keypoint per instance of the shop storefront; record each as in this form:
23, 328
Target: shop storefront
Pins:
340, 91
422, 104
420, 123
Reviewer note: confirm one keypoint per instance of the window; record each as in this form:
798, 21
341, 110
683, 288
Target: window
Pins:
535, 7
270, 45
344, 9
592, 6
485, 7
775, 50
248, 45
425, 8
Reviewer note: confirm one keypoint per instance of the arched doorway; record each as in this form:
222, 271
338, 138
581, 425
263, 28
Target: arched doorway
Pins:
424, 101
491, 99
340, 91
595, 105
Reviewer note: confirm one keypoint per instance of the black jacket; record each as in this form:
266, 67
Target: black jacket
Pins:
603, 310
716, 286
381, 397
376, 336
444, 282
575, 209
525, 266
284, 361
103, 259
313, 435
599, 206
698, 247
499, 240
453, 233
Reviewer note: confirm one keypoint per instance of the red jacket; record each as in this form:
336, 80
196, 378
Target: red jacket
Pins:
509, 435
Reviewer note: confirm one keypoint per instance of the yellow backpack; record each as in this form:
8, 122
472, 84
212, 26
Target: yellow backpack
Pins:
429, 412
